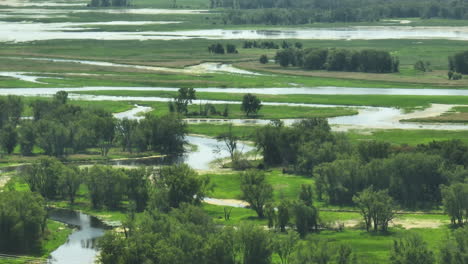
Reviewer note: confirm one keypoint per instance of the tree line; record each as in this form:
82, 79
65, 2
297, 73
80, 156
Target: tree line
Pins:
278, 12
109, 3
59, 128
413, 176
369, 60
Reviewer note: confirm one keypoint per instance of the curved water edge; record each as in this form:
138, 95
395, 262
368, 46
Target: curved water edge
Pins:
203, 68
319, 90
32, 31
367, 117
81, 244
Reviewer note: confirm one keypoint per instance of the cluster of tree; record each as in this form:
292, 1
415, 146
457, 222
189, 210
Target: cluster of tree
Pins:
109, 187
208, 109
458, 65
412, 176
109, 3
60, 128
173, 229
218, 48
376, 207
188, 235
454, 76
301, 146
279, 12
251, 104
22, 222
413, 249
248, 44
368, 60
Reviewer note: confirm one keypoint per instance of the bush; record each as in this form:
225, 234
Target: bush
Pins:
263, 59
457, 76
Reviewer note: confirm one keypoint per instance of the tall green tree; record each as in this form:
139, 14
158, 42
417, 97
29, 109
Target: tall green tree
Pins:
255, 190
8, 138
376, 207
251, 104
22, 222
455, 201
107, 186
255, 245
178, 184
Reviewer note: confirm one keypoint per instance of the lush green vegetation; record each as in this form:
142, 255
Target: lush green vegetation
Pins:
339, 60
409, 102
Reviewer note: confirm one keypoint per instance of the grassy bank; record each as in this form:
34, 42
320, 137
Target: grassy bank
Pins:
399, 101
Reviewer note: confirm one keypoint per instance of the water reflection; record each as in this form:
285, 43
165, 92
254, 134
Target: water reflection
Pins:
81, 245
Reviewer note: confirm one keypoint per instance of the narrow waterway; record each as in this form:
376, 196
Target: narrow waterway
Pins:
80, 247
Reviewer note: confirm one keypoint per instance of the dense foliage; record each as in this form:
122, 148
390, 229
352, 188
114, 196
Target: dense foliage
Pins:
22, 222
368, 60
412, 176
59, 128
279, 12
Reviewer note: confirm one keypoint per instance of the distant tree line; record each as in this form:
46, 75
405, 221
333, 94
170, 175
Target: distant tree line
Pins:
109, 3
368, 60
59, 128
249, 44
279, 12
218, 48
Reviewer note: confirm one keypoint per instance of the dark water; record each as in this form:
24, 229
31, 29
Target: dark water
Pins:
81, 244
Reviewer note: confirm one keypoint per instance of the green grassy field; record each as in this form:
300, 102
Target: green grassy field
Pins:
177, 53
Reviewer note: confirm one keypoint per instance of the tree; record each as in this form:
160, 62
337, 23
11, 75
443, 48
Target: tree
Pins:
455, 250
376, 207
104, 130
255, 244
369, 150
70, 180
284, 245
283, 215
43, 177
107, 186
26, 137
61, 97
184, 97
306, 194
455, 201
8, 138
231, 48
22, 221
126, 129
309, 251
138, 187
230, 141
306, 218
179, 184
411, 250
251, 104
255, 190
263, 59
53, 137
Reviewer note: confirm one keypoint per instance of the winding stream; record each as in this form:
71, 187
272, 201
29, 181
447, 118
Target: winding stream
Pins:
367, 117
80, 247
